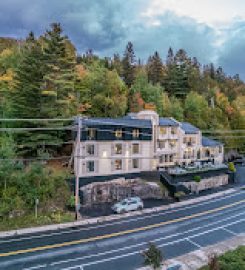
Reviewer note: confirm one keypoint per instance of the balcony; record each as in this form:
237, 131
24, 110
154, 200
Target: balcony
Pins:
167, 150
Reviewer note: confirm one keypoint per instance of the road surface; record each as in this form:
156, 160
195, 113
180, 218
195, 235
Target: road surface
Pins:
118, 244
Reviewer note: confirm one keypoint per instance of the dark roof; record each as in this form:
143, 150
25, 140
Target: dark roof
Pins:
189, 128
166, 121
206, 142
130, 122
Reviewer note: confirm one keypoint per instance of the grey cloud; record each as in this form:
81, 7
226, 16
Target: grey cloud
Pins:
90, 24
231, 55
107, 25
177, 32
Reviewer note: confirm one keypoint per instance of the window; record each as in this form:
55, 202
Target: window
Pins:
172, 144
90, 149
173, 131
118, 164
135, 163
136, 133
118, 133
91, 133
162, 130
161, 159
189, 141
135, 148
90, 166
207, 153
161, 144
118, 149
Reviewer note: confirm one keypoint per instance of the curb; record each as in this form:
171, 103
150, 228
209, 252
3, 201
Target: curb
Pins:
97, 220
196, 259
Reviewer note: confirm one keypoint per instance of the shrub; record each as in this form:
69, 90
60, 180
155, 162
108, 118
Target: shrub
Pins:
197, 178
179, 194
213, 262
153, 256
71, 202
231, 167
231, 260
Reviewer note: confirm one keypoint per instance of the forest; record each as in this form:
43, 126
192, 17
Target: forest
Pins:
45, 77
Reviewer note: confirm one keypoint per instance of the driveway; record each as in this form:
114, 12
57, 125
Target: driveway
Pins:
104, 209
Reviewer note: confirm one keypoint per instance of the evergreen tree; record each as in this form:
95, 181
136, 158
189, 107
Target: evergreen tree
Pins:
27, 98
170, 57
60, 74
176, 82
128, 63
155, 69
117, 63
212, 71
29, 79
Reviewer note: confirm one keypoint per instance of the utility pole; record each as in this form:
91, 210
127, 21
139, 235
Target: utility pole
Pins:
77, 170
36, 204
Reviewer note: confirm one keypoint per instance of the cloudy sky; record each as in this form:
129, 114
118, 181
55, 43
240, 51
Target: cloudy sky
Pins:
211, 30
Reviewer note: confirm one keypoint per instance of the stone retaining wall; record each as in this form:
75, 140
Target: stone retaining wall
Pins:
207, 183
119, 189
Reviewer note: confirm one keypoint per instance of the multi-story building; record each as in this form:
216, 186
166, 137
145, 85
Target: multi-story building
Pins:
140, 142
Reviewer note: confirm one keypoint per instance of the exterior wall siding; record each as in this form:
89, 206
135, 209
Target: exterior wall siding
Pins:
161, 146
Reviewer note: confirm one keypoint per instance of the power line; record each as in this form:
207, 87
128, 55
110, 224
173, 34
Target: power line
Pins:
36, 129
35, 119
224, 131
94, 158
35, 159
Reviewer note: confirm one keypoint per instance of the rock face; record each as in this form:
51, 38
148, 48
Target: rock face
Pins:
207, 183
119, 189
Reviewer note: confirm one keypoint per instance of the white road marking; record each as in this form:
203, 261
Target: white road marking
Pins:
217, 228
122, 221
229, 231
144, 243
139, 251
36, 267
193, 243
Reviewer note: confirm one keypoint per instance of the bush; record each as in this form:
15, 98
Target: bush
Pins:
231, 167
213, 262
179, 194
71, 202
197, 178
231, 260
153, 256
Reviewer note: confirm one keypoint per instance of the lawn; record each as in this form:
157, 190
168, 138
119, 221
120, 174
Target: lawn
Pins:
30, 220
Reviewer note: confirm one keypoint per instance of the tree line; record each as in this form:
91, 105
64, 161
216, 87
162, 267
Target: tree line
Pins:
45, 77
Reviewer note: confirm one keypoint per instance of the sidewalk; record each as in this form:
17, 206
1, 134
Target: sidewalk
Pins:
113, 217
196, 259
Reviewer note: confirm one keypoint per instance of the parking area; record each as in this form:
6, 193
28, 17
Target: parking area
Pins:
104, 209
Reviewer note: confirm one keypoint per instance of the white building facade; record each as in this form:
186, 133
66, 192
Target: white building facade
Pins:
140, 142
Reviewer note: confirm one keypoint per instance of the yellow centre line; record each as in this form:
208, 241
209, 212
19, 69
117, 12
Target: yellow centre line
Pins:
107, 236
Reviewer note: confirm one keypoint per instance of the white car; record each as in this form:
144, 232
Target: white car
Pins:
127, 205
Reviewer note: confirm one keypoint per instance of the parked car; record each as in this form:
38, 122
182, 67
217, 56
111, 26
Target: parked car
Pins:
127, 205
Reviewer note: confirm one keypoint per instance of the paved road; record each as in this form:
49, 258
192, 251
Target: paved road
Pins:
118, 244
240, 174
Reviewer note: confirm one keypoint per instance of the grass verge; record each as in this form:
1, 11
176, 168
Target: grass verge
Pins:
30, 221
